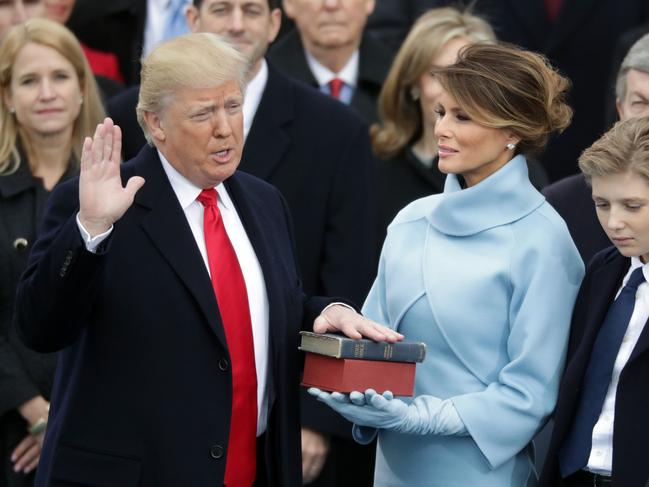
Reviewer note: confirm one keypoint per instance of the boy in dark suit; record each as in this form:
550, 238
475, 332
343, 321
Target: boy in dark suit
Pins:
601, 431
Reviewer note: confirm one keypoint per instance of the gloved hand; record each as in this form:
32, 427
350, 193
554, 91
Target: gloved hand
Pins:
358, 408
425, 415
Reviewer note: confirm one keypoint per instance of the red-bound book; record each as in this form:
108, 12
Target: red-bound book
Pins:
347, 375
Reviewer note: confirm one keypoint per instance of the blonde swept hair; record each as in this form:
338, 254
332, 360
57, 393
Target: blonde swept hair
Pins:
55, 36
625, 147
400, 116
200, 60
504, 86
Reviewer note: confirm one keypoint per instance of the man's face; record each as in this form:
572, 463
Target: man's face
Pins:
200, 132
329, 24
636, 101
248, 24
13, 12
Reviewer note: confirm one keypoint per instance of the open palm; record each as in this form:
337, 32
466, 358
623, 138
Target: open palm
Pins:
102, 198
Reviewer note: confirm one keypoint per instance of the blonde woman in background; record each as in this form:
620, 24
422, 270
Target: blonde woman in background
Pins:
49, 104
404, 136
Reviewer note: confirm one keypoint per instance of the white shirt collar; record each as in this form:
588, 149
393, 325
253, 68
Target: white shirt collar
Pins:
635, 263
254, 92
185, 190
158, 4
323, 75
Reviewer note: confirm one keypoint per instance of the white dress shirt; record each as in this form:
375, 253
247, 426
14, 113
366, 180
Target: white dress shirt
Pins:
186, 192
157, 15
323, 75
254, 92
601, 454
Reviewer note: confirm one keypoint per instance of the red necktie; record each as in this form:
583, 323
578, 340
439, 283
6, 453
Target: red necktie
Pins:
231, 295
553, 7
335, 85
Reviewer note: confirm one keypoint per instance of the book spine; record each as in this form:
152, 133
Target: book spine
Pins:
393, 352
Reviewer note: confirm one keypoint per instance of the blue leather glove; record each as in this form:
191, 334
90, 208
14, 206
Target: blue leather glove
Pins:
425, 415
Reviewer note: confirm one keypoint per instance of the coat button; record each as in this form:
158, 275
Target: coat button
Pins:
20, 244
224, 364
216, 452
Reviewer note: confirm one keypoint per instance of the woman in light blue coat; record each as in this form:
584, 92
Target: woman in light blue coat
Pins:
486, 274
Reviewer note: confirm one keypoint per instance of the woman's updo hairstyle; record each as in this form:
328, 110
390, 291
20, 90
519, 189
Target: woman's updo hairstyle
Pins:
504, 86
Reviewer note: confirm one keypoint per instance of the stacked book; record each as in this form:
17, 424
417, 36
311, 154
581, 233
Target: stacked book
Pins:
336, 363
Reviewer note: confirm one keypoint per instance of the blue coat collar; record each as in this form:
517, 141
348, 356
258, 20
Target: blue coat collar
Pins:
504, 197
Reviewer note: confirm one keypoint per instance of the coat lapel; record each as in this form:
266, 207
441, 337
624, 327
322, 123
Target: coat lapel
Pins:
167, 227
373, 66
268, 141
604, 284
289, 56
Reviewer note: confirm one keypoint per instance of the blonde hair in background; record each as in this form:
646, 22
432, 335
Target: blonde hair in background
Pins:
201, 60
56, 36
505, 86
399, 114
625, 147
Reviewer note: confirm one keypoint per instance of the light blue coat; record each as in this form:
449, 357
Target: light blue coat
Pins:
487, 277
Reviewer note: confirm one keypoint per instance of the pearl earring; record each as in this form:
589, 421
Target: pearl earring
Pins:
12, 110
415, 93
80, 101
511, 146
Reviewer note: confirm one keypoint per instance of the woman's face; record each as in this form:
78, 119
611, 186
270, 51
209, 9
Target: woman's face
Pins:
14, 12
59, 10
622, 205
466, 147
45, 92
429, 87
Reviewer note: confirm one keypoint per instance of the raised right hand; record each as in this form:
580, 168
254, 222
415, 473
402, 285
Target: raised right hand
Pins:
102, 199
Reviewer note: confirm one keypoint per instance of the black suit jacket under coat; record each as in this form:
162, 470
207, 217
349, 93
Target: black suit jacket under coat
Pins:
374, 60
143, 389
317, 152
631, 427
